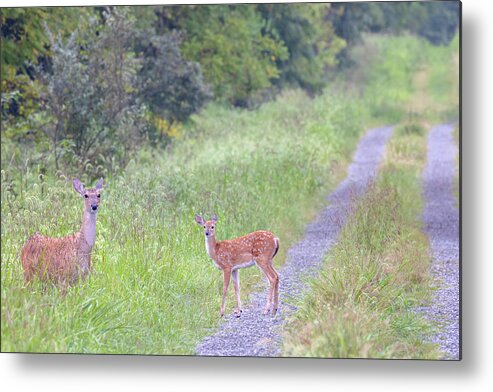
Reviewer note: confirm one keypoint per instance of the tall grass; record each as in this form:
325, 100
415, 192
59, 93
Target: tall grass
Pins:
404, 78
153, 289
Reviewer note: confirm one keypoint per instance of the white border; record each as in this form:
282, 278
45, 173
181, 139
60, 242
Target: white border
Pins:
125, 373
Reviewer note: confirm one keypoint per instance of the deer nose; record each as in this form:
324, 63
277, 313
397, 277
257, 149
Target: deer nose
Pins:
94, 207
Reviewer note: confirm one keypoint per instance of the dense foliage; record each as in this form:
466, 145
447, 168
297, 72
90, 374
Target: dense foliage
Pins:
436, 21
172, 88
238, 59
84, 88
90, 101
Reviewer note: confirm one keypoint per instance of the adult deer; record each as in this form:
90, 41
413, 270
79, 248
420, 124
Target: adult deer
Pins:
64, 260
258, 247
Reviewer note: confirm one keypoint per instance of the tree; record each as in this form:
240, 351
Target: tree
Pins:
440, 22
172, 87
227, 40
24, 46
310, 39
350, 20
23, 32
437, 21
91, 89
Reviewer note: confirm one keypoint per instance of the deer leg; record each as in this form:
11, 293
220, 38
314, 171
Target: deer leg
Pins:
236, 282
63, 285
227, 277
275, 291
265, 269
268, 305
28, 275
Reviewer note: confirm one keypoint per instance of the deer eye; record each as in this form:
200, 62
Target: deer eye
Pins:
204, 227
99, 196
86, 196
212, 227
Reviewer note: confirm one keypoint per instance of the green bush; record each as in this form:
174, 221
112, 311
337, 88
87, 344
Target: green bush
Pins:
170, 86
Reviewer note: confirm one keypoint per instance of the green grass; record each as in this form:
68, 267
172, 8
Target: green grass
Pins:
153, 289
406, 79
411, 128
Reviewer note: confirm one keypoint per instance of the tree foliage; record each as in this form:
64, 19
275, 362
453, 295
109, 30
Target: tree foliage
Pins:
110, 79
171, 87
440, 22
237, 59
436, 21
24, 39
311, 41
90, 100
24, 45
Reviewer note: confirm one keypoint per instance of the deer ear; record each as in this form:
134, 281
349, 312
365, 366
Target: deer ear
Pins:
78, 186
99, 185
199, 220
214, 218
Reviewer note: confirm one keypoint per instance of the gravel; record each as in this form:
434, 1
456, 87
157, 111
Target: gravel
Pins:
254, 334
441, 224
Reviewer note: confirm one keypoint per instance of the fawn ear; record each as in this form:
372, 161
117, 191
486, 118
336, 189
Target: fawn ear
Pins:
199, 220
99, 185
214, 218
78, 186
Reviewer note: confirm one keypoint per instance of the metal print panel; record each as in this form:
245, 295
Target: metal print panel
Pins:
153, 155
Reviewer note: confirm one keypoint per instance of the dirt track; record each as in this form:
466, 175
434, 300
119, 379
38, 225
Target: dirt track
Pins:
441, 224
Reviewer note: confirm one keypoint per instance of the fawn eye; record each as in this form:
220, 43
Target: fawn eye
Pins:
99, 196
86, 196
204, 227
212, 227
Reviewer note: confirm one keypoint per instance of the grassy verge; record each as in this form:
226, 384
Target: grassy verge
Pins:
405, 79
153, 289
361, 305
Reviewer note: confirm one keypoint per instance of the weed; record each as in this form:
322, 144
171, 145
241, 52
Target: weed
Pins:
410, 129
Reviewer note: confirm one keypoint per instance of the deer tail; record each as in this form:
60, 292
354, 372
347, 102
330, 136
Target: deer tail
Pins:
277, 246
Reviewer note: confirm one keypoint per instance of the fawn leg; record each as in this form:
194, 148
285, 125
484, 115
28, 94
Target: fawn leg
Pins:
263, 265
63, 285
236, 282
227, 277
275, 291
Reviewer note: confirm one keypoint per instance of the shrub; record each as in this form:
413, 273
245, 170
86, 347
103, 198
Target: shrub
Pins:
90, 106
172, 87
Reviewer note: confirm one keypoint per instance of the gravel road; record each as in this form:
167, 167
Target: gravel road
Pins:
254, 334
441, 224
